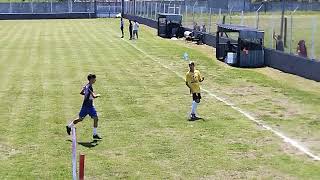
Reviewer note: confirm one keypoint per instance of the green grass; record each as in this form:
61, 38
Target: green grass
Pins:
143, 110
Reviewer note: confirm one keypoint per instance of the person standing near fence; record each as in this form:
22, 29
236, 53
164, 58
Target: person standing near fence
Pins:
302, 49
135, 29
130, 29
279, 42
121, 27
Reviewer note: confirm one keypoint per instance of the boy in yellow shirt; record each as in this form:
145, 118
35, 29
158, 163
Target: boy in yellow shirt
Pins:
193, 79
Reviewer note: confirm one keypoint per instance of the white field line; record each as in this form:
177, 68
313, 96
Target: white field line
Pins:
285, 138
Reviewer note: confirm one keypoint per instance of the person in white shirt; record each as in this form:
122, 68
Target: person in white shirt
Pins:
135, 29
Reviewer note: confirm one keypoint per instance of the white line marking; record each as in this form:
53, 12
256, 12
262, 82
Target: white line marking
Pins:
286, 139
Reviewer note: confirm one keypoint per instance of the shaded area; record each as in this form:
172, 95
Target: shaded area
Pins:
88, 144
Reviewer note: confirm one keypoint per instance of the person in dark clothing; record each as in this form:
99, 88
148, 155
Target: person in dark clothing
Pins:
302, 49
121, 27
279, 42
130, 29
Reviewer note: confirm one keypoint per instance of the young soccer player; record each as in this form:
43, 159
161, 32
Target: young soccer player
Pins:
193, 79
87, 107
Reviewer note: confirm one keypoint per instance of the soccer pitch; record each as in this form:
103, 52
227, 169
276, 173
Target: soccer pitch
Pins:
143, 108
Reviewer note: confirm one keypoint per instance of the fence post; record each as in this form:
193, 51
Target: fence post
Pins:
241, 23
155, 11
219, 15
180, 9
147, 9
272, 30
210, 20
164, 8
314, 28
31, 4
230, 18
51, 6
185, 18
193, 15
10, 7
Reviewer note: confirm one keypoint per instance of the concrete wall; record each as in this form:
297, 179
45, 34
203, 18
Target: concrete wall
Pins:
141, 20
46, 16
292, 64
46, 7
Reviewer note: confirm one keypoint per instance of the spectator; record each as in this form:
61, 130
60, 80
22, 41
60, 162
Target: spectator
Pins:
302, 49
195, 26
130, 29
135, 29
203, 29
121, 27
279, 42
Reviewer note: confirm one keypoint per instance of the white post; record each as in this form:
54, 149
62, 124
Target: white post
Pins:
174, 6
179, 9
291, 26
164, 8
155, 11
257, 20
74, 153
51, 6
10, 7
272, 30
186, 17
210, 20
71, 3
219, 16
314, 28
241, 23
147, 9
31, 4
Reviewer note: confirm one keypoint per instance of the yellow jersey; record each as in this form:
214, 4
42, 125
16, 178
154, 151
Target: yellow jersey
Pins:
193, 79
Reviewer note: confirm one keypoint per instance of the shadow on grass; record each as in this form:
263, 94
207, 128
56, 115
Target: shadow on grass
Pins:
196, 119
91, 144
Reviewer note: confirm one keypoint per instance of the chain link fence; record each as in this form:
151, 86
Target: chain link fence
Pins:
300, 27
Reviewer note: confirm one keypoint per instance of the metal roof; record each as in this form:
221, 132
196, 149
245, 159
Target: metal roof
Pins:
244, 31
237, 27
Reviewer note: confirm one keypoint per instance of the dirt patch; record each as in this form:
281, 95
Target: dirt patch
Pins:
261, 173
7, 151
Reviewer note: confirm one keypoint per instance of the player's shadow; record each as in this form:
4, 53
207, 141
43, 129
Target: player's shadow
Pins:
91, 144
196, 119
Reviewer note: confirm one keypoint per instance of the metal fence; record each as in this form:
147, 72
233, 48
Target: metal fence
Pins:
47, 7
298, 26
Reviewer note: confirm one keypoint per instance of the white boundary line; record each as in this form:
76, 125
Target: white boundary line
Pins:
286, 139
74, 153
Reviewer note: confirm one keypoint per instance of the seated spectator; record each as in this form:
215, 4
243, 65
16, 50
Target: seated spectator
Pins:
203, 28
195, 26
302, 49
188, 35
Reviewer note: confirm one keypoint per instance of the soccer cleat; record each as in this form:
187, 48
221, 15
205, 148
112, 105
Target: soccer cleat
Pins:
68, 130
193, 117
96, 136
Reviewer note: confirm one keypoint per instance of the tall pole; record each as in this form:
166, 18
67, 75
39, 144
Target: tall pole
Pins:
122, 8
282, 18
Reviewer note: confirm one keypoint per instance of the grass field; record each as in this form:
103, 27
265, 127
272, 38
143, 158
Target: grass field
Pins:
143, 108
